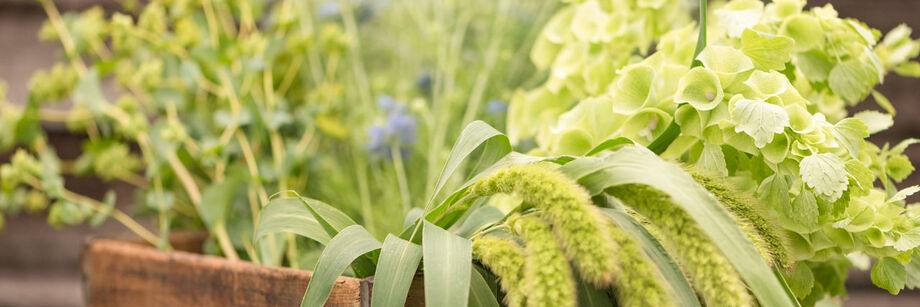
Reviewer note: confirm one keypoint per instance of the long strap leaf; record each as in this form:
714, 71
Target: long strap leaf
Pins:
638, 165
477, 134
290, 215
480, 293
448, 261
348, 245
395, 270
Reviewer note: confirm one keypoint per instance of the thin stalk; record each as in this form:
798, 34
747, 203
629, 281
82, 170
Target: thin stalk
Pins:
66, 39
351, 28
223, 239
364, 192
482, 78
401, 180
98, 206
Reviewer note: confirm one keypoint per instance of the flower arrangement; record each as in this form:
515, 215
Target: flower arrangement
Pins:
718, 168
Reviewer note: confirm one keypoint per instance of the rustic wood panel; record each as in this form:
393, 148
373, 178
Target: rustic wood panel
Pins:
123, 273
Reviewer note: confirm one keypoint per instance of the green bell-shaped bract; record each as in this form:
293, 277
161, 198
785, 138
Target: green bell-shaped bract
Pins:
690, 120
635, 89
737, 16
645, 125
727, 62
799, 119
700, 88
805, 30
768, 84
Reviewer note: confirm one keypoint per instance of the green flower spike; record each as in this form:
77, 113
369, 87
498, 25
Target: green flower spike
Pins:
759, 229
639, 283
505, 258
577, 224
548, 279
709, 271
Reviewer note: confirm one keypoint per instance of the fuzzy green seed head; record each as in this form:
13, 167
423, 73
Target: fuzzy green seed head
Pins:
505, 258
639, 283
711, 274
548, 279
578, 226
747, 211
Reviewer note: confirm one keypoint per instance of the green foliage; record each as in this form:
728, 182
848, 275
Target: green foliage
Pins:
710, 272
578, 226
548, 278
766, 109
750, 215
505, 258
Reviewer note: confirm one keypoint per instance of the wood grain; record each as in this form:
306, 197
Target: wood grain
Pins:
126, 273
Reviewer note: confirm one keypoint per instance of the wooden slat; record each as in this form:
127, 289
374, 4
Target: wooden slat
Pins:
122, 273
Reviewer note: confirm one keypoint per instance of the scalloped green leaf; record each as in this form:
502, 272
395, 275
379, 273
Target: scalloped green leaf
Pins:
825, 174
759, 119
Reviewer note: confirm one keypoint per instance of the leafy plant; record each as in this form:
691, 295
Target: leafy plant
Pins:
210, 107
554, 246
763, 105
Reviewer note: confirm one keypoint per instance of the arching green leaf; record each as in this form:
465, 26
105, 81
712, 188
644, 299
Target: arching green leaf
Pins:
348, 245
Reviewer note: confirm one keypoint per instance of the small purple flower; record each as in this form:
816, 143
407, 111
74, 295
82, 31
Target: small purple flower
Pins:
496, 107
386, 103
400, 129
402, 125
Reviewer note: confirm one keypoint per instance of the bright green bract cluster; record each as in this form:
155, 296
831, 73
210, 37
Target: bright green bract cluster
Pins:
766, 109
582, 46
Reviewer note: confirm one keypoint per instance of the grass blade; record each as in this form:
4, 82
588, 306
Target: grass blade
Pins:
396, 267
478, 219
590, 296
330, 218
348, 245
448, 261
480, 293
477, 134
290, 215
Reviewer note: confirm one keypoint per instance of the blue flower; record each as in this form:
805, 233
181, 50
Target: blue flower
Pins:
399, 129
402, 125
423, 82
496, 107
386, 103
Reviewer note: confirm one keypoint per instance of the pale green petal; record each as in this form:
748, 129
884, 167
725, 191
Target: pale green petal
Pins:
739, 15
776, 151
767, 51
805, 30
727, 62
799, 119
634, 90
700, 88
768, 83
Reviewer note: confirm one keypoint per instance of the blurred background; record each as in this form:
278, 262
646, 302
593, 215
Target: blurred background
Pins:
39, 265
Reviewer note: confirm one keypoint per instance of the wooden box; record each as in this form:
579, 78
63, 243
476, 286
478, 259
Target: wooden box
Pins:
130, 273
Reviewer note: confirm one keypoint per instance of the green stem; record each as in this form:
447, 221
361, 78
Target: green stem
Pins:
401, 178
660, 144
